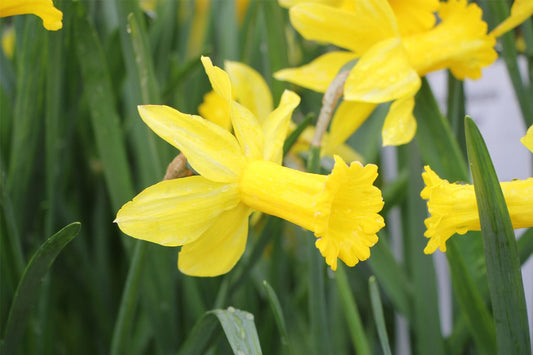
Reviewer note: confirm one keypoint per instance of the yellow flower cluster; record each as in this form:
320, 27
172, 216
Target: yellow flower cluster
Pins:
236, 144
394, 43
208, 214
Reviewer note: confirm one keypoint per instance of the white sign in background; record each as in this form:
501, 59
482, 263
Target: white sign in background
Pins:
492, 104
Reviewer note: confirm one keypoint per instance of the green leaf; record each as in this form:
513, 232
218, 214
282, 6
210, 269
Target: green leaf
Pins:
105, 119
357, 333
26, 121
238, 326
293, 137
391, 275
476, 315
501, 254
128, 303
438, 146
377, 310
525, 245
425, 316
278, 314
28, 287
441, 151
277, 43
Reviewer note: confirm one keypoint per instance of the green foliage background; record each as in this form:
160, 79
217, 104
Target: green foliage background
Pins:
73, 148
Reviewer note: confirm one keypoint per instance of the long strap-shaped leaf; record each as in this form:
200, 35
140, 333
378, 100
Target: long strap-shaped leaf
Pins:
238, 326
501, 254
27, 289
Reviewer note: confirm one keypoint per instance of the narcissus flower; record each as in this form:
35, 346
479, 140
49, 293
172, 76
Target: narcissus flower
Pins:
251, 91
390, 61
453, 207
208, 214
43, 8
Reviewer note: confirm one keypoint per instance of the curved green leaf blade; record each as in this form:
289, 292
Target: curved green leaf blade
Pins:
238, 326
349, 306
501, 254
278, 313
27, 289
377, 310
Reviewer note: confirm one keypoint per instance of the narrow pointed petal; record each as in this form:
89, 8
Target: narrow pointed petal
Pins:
527, 140
276, 126
175, 212
219, 248
349, 116
211, 150
52, 17
375, 22
248, 131
400, 124
382, 74
318, 74
520, 11
219, 79
250, 89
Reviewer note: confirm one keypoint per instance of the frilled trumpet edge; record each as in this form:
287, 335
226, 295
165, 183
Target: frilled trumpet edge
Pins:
341, 208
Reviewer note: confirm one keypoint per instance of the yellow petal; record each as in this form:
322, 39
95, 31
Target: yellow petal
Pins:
43, 8
250, 89
248, 131
215, 109
520, 11
459, 42
211, 150
400, 124
318, 74
527, 140
414, 16
219, 248
276, 125
382, 74
175, 212
349, 116
219, 79
357, 31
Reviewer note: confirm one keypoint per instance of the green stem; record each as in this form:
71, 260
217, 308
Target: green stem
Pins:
128, 303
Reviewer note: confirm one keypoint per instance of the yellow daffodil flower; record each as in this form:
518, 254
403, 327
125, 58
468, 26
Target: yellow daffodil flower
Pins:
208, 213
527, 140
251, 91
43, 8
390, 62
453, 207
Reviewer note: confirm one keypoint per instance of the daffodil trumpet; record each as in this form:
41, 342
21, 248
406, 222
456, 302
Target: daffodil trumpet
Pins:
207, 214
453, 207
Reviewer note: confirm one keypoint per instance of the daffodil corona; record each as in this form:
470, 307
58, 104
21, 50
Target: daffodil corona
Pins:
453, 207
208, 214
45, 9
